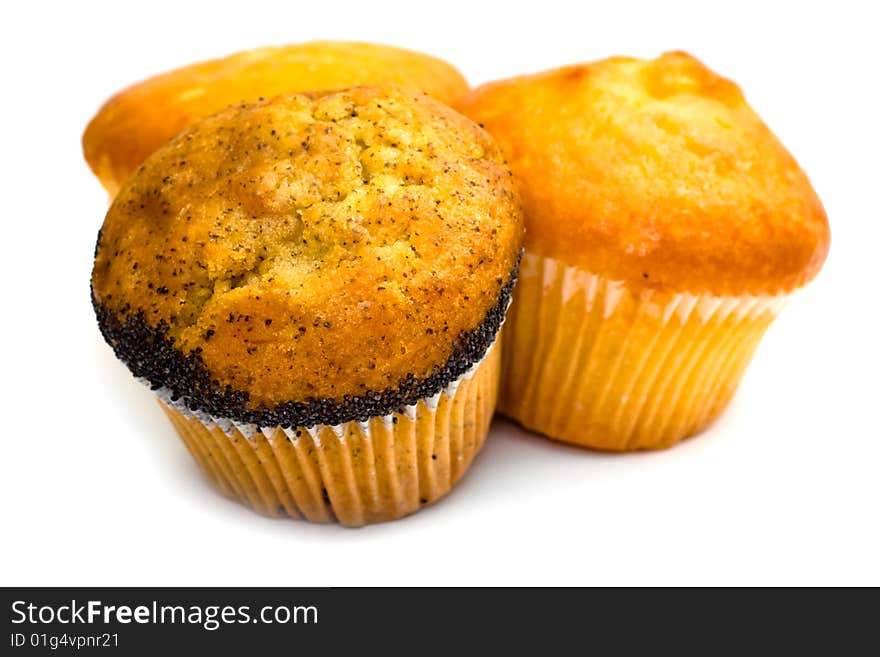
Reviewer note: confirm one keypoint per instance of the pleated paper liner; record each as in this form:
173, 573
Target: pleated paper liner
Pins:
587, 361
356, 473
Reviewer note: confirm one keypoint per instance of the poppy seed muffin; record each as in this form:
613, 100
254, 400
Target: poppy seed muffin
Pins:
313, 284
666, 225
138, 120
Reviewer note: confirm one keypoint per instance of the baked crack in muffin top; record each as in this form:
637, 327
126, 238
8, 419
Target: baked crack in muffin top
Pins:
312, 258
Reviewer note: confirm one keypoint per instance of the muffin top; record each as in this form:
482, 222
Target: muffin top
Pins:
311, 259
135, 122
656, 173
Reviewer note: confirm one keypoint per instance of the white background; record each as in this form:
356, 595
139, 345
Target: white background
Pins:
784, 489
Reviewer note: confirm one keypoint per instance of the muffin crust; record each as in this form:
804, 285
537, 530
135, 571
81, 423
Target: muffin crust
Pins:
136, 121
311, 258
657, 174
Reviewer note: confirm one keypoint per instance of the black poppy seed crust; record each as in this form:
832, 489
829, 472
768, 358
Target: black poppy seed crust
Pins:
150, 354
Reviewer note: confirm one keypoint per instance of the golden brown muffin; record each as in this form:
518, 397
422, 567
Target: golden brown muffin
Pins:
136, 121
318, 260
665, 224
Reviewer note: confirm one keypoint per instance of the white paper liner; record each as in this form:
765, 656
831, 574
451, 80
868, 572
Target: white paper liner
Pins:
598, 289
591, 361
358, 472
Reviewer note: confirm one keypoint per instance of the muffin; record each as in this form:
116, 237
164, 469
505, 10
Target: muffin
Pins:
665, 228
137, 121
312, 286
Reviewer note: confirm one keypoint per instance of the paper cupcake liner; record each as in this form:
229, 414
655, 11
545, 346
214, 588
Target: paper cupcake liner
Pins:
590, 362
357, 472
